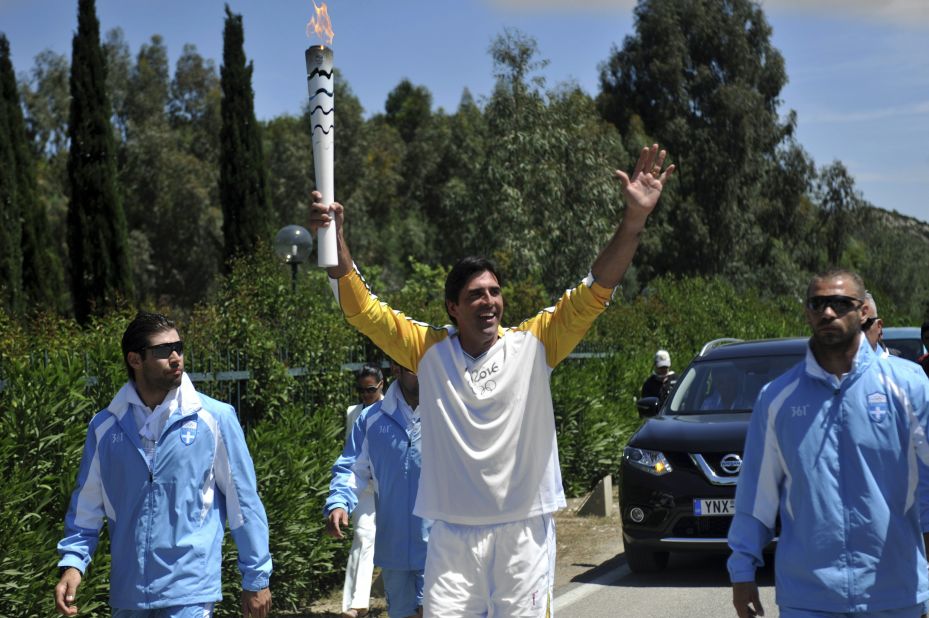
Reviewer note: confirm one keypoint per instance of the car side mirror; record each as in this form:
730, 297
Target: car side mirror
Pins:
648, 406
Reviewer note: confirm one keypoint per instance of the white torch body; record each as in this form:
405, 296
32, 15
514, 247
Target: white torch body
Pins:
321, 86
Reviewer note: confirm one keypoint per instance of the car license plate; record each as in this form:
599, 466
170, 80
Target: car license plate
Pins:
714, 507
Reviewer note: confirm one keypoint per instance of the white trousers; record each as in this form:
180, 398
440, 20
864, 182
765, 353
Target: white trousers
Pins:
356, 593
492, 571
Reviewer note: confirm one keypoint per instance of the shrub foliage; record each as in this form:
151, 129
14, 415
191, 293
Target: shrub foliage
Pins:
294, 423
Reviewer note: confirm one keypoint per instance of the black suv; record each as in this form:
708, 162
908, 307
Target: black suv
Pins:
679, 470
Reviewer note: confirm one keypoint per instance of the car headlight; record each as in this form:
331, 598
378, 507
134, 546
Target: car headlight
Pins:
653, 462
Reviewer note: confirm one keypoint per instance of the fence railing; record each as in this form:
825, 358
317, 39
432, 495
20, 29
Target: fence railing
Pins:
234, 374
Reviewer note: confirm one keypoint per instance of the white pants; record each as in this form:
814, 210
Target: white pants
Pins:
356, 593
496, 571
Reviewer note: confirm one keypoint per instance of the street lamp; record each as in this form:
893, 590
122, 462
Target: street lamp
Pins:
292, 244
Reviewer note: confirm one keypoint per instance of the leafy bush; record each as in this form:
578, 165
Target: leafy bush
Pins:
295, 429
295, 422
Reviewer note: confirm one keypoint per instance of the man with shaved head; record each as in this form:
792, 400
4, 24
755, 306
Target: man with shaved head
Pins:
832, 450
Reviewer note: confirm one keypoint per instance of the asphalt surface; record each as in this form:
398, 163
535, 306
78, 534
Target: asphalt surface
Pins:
692, 586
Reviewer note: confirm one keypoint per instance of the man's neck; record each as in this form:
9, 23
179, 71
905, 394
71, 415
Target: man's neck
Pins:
411, 399
474, 346
836, 360
152, 398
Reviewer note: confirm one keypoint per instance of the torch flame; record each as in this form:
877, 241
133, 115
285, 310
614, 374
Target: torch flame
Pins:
320, 24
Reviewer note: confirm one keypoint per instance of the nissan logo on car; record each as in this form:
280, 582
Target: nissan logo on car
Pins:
731, 463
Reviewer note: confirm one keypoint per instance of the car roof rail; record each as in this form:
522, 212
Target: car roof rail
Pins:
712, 345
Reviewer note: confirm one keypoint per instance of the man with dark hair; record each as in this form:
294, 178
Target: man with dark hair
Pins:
490, 475
384, 451
459, 275
359, 570
832, 450
166, 467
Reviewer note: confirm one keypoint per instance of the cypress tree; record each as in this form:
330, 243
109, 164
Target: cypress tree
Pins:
42, 276
98, 245
11, 254
246, 215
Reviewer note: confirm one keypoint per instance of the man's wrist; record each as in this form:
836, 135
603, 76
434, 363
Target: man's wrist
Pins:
632, 224
61, 570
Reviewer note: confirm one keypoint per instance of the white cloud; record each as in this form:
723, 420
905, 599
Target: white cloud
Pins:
913, 13
920, 108
903, 12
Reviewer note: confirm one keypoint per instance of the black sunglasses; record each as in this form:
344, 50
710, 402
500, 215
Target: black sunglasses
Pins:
867, 324
163, 350
838, 303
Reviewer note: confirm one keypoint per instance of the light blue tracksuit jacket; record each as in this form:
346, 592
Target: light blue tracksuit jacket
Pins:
166, 524
838, 462
383, 449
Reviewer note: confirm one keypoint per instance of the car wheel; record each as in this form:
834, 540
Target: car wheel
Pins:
642, 560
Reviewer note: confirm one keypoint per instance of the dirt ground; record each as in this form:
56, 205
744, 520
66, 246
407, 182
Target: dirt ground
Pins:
583, 544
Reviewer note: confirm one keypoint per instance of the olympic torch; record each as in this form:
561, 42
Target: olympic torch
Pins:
321, 86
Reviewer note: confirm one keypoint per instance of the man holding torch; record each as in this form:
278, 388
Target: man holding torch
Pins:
490, 473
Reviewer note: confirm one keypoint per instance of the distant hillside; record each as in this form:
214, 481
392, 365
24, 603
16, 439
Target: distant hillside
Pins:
897, 221
893, 257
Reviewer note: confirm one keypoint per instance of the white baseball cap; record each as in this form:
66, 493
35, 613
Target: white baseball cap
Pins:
662, 358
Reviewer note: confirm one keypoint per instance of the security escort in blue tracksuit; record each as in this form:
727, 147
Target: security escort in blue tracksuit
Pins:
833, 448
166, 467
385, 449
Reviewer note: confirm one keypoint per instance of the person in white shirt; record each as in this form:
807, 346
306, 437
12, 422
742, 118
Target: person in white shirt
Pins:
356, 592
490, 474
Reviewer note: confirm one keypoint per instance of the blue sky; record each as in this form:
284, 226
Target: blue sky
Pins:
858, 69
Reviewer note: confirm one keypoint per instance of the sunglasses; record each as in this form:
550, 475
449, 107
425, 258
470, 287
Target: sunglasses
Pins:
838, 303
368, 389
163, 350
867, 324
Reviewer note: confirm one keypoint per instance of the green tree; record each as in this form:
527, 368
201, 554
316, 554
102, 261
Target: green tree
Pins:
46, 98
144, 175
705, 80
463, 143
288, 150
378, 229
118, 68
840, 203
350, 148
100, 270
194, 105
242, 172
408, 109
894, 261
547, 183
42, 276
11, 208
147, 97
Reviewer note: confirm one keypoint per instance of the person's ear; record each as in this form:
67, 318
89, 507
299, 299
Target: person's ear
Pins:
134, 359
452, 309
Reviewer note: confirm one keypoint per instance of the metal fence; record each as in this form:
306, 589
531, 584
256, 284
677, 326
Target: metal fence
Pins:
227, 374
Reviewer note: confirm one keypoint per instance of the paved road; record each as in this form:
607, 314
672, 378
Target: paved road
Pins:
693, 586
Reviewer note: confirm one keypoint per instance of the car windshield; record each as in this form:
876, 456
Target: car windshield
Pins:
726, 385
910, 349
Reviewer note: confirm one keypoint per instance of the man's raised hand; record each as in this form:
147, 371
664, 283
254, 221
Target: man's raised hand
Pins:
643, 189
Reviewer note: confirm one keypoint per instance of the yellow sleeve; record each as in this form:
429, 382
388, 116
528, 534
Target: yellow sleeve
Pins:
561, 328
400, 337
